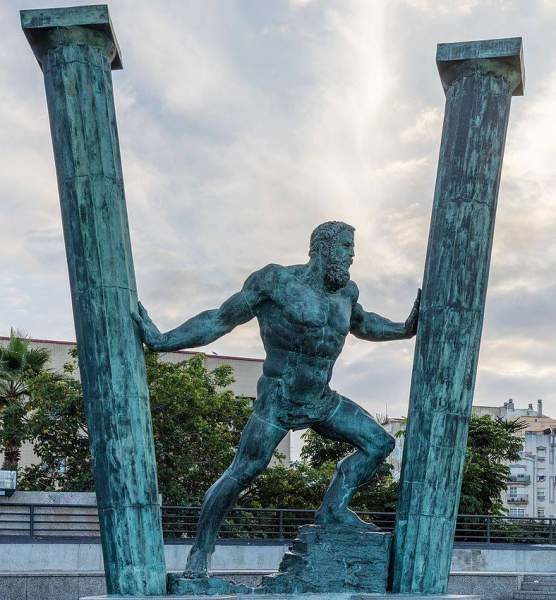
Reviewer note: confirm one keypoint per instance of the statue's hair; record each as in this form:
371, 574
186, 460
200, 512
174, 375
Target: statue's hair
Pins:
325, 234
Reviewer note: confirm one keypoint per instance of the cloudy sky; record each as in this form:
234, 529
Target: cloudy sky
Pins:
243, 124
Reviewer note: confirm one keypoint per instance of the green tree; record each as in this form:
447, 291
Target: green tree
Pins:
197, 422
58, 429
490, 445
19, 363
303, 483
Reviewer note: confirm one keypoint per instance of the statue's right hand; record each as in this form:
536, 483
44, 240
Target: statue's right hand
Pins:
148, 331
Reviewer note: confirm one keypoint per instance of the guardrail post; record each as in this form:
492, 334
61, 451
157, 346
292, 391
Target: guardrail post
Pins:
31, 520
281, 522
488, 529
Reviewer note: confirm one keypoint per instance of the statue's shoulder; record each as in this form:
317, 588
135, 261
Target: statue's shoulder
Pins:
266, 277
352, 291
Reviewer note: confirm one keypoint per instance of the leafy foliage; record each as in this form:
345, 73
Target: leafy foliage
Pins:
379, 495
59, 433
19, 363
196, 425
197, 422
491, 443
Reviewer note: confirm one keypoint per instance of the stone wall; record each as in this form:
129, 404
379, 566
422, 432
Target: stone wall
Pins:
84, 556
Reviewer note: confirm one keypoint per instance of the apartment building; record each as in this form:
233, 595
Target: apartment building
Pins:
532, 416
532, 482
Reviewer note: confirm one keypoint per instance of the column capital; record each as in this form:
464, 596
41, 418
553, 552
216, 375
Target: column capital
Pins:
56, 25
505, 54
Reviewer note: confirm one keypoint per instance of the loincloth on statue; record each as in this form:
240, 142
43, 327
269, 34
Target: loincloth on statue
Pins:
280, 405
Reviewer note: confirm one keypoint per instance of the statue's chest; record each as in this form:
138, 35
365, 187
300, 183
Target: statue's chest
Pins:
305, 306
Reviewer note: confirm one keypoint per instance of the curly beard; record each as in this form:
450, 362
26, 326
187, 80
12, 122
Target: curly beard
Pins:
336, 276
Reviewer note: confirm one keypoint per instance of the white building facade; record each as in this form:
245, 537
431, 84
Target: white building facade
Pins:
532, 484
531, 490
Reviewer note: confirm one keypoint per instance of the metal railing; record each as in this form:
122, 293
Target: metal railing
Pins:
519, 478
52, 522
519, 499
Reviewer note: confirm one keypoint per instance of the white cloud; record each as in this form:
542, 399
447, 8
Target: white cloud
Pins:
242, 126
452, 7
426, 127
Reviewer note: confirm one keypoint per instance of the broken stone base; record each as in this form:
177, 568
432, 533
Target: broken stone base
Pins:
333, 559
204, 586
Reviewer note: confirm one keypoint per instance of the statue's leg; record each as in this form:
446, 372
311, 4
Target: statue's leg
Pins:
258, 441
351, 423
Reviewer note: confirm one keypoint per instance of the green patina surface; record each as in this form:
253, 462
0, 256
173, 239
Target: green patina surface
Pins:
333, 558
305, 313
480, 79
76, 50
322, 559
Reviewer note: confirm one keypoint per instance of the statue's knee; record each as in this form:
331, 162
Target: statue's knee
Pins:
388, 444
245, 472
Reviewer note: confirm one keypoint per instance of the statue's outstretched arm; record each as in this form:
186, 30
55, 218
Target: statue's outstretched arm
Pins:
373, 327
206, 326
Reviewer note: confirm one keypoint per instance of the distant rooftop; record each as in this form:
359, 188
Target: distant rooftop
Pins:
189, 352
508, 410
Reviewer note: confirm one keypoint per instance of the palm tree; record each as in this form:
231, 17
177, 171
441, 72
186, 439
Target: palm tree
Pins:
18, 363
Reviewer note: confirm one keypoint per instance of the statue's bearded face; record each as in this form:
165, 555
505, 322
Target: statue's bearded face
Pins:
339, 260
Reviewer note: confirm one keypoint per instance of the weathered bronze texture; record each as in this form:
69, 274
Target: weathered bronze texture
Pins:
479, 79
332, 558
76, 50
305, 313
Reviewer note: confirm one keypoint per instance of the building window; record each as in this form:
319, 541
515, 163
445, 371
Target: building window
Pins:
517, 512
512, 492
541, 453
540, 495
60, 466
540, 513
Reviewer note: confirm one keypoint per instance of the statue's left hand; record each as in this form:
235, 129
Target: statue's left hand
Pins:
411, 321
149, 332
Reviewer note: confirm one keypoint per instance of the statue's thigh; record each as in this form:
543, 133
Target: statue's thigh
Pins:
258, 441
351, 423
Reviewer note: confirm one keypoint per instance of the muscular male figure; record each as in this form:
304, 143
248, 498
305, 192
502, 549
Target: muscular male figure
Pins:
305, 313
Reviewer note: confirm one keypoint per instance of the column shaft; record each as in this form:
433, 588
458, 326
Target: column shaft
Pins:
478, 96
76, 63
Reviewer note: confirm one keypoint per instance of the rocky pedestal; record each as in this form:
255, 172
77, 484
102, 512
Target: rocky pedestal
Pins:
332, 558
205, 586
326, 559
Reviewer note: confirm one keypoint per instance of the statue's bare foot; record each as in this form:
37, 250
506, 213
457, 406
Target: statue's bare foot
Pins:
197, 564
328, 516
